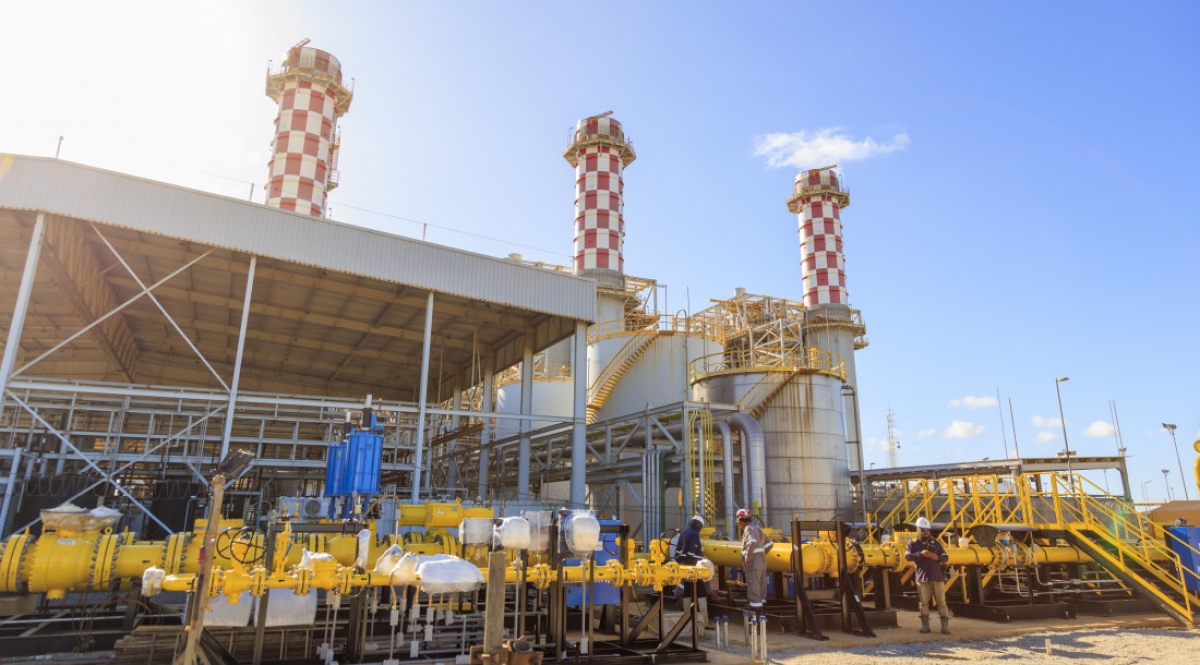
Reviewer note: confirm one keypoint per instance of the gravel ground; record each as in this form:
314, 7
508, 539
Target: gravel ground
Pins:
1107, 646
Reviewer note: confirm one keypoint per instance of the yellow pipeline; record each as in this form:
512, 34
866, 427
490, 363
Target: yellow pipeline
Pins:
820, 557
330, 576
61, 561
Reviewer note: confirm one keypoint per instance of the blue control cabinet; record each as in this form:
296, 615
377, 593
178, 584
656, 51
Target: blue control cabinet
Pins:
353, 466
1187, 558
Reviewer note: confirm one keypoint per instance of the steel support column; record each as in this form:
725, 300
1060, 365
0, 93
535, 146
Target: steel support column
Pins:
424, 395
525, 451
24, 292
237, 363
485, 436
579, 433
6, 510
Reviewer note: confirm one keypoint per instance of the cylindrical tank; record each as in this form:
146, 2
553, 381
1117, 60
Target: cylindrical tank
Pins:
804, 440
599, 152
303, 167
553, 395
655, 361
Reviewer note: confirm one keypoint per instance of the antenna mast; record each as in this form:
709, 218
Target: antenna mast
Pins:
893, 442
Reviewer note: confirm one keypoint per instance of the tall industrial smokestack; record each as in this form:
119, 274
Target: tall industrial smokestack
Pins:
829, 324
303, 168
599, 152
818, 201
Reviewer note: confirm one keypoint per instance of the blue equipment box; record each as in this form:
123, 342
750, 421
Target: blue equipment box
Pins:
1187, 558
353, 467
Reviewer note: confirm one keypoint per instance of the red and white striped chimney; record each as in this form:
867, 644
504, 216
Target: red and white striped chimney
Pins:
818, 200
599, 152
303, 167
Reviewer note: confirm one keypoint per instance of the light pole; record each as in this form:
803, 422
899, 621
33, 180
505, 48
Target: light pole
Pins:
234, 464
1146, 497
1063, 419
1171, 428
1167, 484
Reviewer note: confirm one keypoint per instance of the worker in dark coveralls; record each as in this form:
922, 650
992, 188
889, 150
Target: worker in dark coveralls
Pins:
690, 552
755, 546
928, 556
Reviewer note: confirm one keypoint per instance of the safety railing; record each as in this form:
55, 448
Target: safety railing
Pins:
666, 323
586, 135
617, 365
540, 373
803, 359
1134, 538
1120, 537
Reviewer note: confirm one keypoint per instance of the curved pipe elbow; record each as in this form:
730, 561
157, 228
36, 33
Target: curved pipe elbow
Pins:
752, 432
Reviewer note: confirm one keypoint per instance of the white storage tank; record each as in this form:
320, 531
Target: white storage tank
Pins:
642, 361
807, 467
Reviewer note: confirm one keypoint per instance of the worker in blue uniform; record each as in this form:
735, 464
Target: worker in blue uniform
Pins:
928, 557
690, 552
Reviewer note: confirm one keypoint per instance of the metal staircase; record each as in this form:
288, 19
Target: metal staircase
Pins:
1132, 559
1135, 551
620, 363
755, 401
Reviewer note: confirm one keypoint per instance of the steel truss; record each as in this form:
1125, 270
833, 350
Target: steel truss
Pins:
128, 437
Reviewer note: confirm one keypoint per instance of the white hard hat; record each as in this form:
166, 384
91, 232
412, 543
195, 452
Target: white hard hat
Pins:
923, 524
697, 518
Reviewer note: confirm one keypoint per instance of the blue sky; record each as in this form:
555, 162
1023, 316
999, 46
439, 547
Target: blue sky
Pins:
1040, 219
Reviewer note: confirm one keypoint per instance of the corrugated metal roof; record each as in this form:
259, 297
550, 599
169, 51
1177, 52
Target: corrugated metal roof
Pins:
83, 192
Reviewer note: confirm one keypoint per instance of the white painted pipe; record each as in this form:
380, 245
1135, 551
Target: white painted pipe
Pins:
752, 434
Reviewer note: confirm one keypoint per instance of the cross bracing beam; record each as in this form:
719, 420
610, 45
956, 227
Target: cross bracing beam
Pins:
110, 313
86, 458
80, 277
154, 299
348, 287
295, 315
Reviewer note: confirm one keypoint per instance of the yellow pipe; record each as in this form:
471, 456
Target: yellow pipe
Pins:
1196, 447
820, 557
60, 561
56, 563
328, 575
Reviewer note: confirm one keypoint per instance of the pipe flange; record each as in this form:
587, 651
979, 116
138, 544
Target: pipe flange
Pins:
854, 556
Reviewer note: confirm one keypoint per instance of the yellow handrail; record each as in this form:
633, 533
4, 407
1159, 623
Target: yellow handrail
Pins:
748, 361
1072, 503
671, 323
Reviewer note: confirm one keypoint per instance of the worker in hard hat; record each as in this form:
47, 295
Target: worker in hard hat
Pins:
755, 546
928, 556
690, 552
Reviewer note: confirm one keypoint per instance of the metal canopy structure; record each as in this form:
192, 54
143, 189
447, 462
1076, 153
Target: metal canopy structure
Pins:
137, 314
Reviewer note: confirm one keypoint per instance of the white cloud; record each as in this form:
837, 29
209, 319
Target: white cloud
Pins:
973, 402
810, 150
960, 429
1039, 421
1046, 437
1100, 430
927, 432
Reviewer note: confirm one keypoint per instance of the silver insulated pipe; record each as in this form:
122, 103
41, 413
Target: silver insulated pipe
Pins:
752, 434
727, 467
